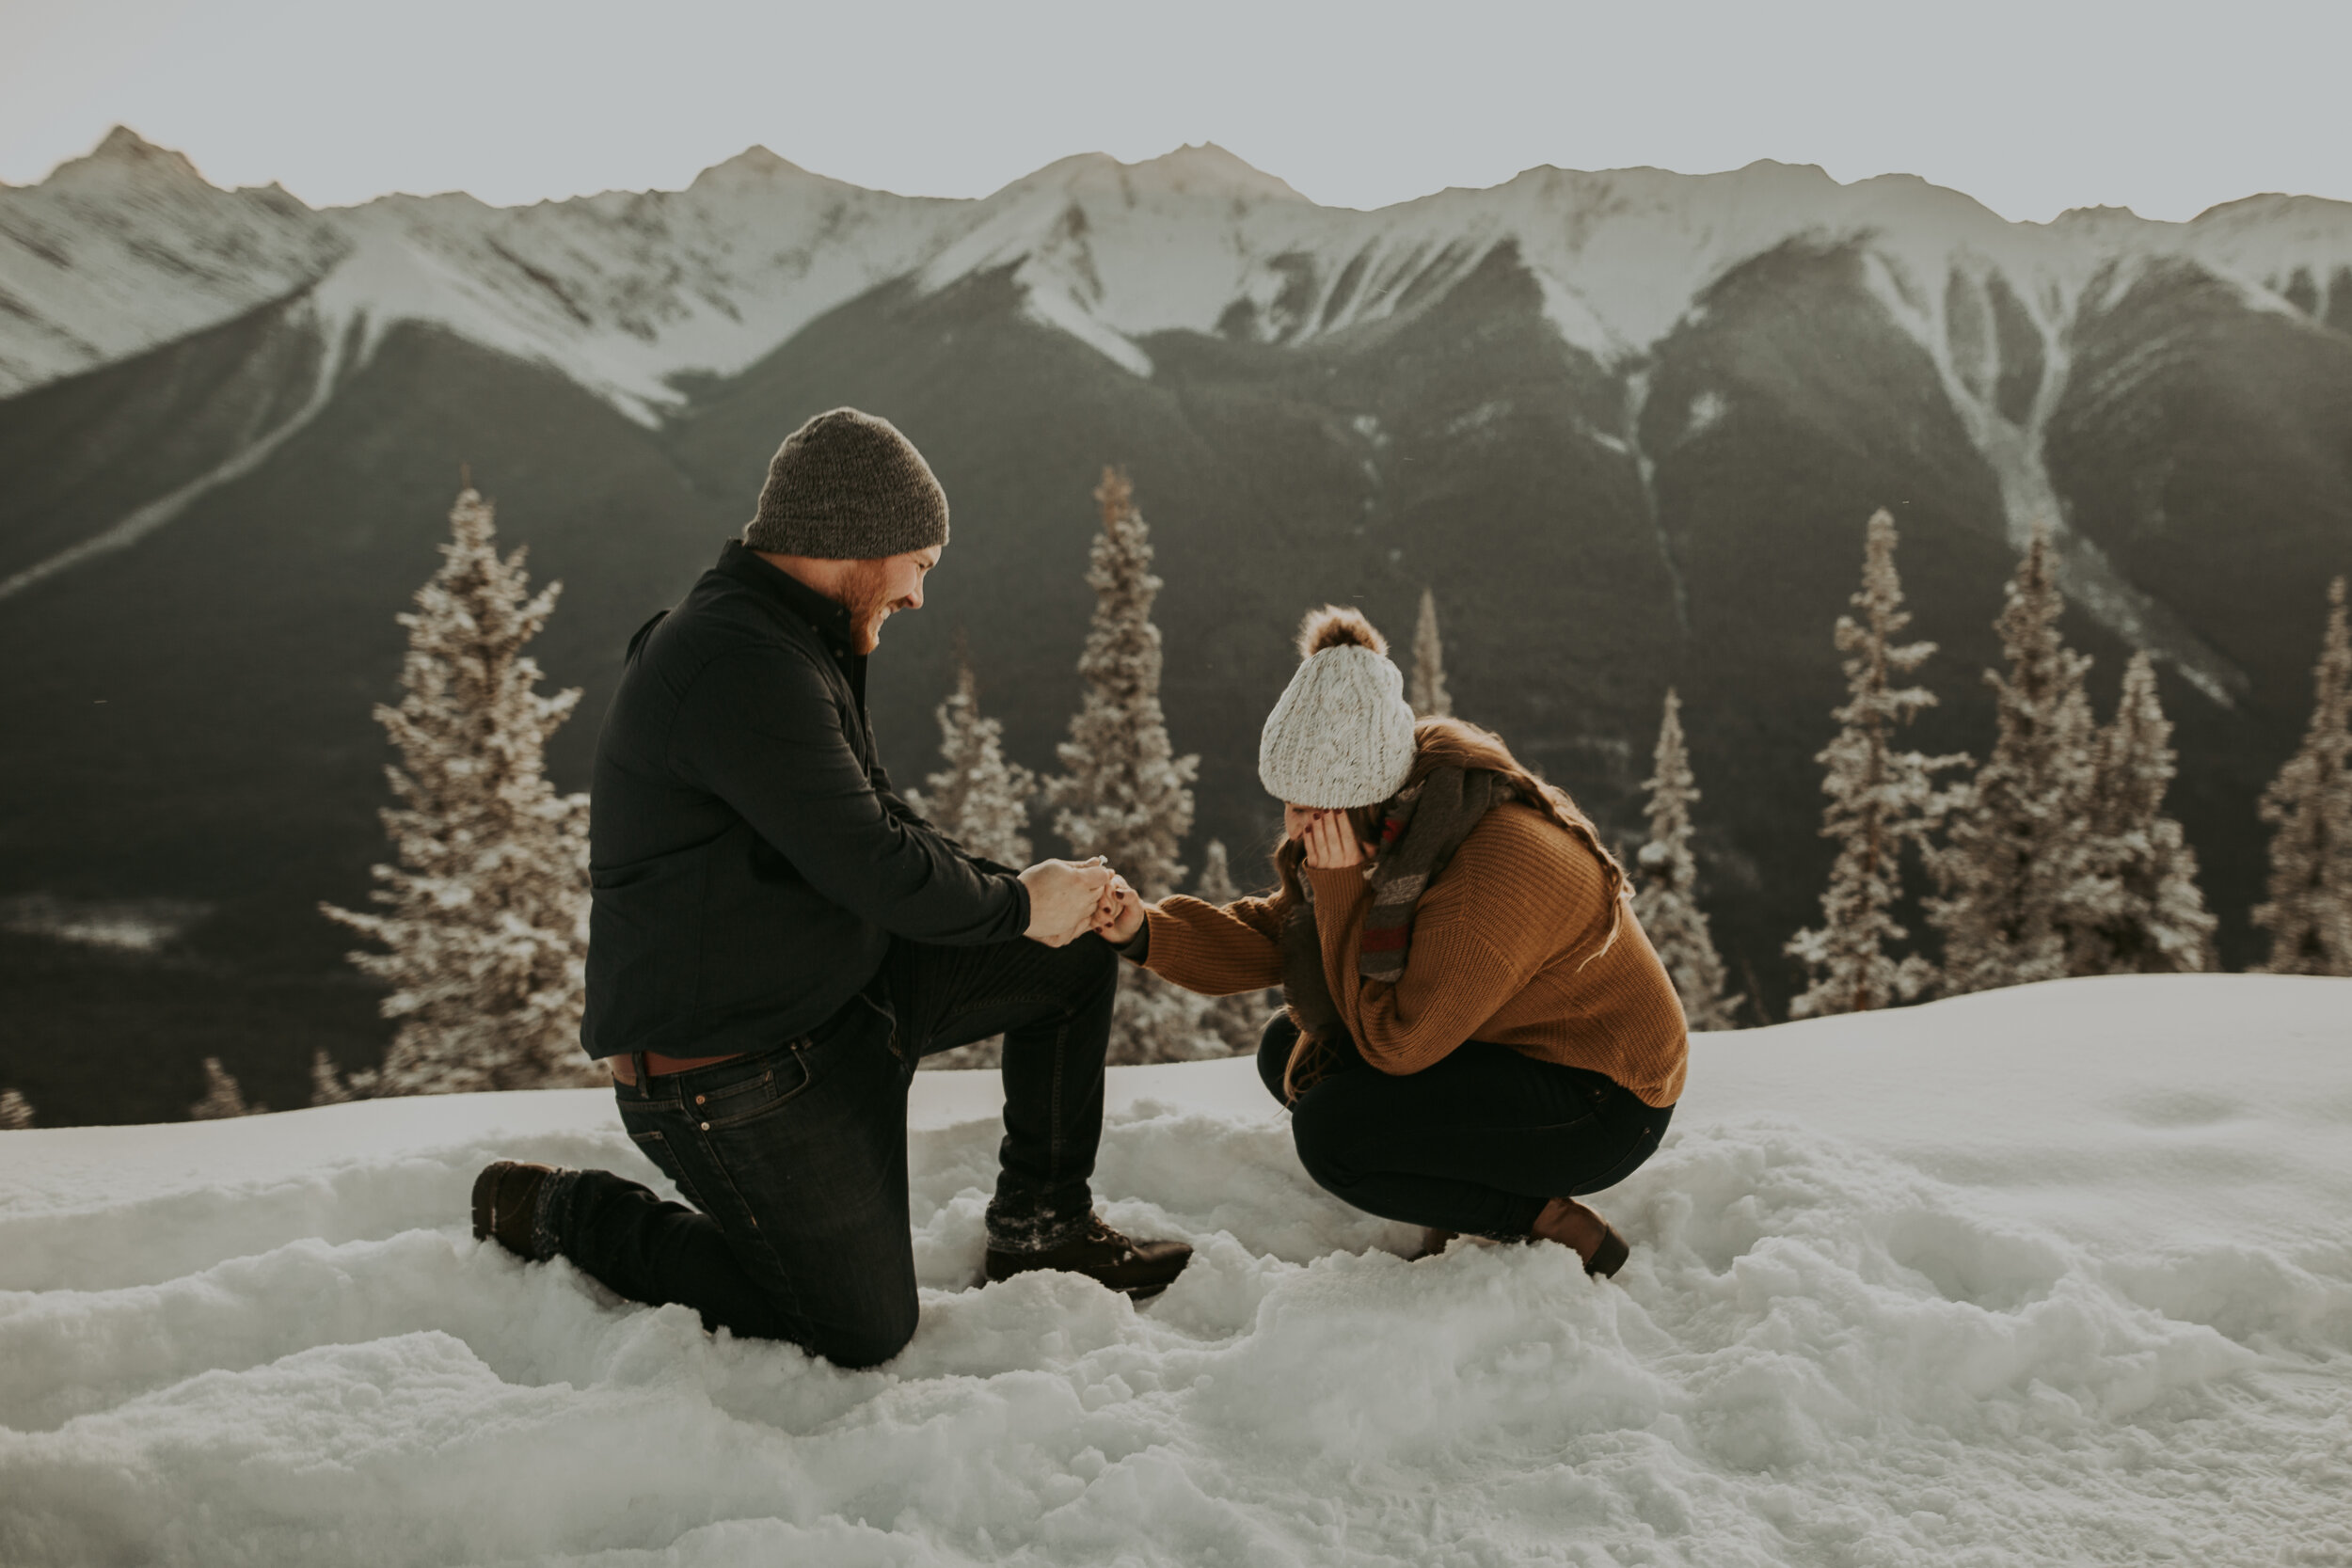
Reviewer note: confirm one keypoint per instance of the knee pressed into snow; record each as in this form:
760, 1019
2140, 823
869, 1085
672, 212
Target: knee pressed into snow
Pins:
869, 1345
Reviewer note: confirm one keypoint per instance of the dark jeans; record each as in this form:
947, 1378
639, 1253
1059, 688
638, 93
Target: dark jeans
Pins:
1476, 1143
795, 1159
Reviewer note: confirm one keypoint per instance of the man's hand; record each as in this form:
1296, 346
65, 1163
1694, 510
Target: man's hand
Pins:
1063, 895
1331, 844
1120, 915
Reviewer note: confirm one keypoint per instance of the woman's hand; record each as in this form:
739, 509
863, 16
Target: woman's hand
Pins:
1330, 843
1120, 915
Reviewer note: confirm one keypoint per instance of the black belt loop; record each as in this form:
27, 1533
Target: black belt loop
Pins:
645, 1076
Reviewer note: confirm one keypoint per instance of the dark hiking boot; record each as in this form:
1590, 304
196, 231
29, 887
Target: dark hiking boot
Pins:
1584, 1232
1610, 1256
511, 1204
1103, 1255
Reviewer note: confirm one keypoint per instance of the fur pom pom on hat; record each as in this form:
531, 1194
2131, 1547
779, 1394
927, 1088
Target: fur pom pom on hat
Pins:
1343, 734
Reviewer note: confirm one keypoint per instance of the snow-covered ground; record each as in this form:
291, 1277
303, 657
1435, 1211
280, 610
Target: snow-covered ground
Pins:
2058, 1274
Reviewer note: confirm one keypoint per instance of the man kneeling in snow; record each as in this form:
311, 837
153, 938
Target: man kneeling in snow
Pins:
776, 940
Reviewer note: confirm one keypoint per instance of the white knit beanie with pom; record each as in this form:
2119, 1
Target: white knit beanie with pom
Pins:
1343, 734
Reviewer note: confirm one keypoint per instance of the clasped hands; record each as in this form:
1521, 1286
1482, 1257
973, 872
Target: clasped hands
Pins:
1069, 898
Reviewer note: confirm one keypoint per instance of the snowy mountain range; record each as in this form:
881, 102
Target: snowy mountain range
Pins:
129, 248
1628, 424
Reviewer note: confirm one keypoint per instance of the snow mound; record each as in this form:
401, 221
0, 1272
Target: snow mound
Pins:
2059, 1273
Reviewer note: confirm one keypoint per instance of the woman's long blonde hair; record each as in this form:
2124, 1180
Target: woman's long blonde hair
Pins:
1451, 743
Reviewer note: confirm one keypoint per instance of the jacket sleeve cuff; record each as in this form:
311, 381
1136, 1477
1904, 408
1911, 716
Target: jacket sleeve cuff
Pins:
1138, 947
1338, 888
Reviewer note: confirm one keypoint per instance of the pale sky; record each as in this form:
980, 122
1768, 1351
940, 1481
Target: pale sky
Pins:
2030, 108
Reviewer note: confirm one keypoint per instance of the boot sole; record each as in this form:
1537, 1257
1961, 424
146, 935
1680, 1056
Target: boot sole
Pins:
486, 1188
1140, 1291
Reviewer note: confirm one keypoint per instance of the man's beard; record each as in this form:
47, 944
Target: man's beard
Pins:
866, 592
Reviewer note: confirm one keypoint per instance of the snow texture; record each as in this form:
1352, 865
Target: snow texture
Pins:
2056, 1273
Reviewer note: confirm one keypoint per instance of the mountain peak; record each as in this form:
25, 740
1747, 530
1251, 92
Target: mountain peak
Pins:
753, 166
1203, 171
125, 153
1210, 169
2277, 207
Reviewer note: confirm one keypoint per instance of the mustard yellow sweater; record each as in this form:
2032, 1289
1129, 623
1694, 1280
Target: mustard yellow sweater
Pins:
1504, 949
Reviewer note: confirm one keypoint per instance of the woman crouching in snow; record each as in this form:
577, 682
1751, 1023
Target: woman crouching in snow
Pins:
1476, 1031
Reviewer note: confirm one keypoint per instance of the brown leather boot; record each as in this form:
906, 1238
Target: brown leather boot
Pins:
1584, 1232
1119, 1262
507, 1207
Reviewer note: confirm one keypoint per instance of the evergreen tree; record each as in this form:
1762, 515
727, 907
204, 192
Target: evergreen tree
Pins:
2308, 914
2149, 916
1126, 796
222, 1099
485, 922
1880, 801
1215, 884
2019, 873
979, 799
328, 1087
1238, 1021
1427, 694
1667, 903
16, 1112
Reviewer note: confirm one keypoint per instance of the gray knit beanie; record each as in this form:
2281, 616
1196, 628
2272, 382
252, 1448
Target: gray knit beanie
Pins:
1343, 734
847, 486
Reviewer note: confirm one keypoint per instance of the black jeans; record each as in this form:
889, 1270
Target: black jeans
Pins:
1476, 1143
795, 1159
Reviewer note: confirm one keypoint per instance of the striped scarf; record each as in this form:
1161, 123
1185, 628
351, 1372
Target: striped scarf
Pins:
1417, 837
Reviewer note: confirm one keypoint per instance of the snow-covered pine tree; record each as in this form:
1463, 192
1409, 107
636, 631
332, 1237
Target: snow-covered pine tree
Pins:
2150, 917
1126, 796
1427, 693
222, 1099
1667, 902
979, 799
1880, 801
2017, 869
485, 922
330, 1087
16, 1112
2309, 913
1240, 1020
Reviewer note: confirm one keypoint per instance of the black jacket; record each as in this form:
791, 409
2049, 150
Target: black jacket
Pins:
748, 858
